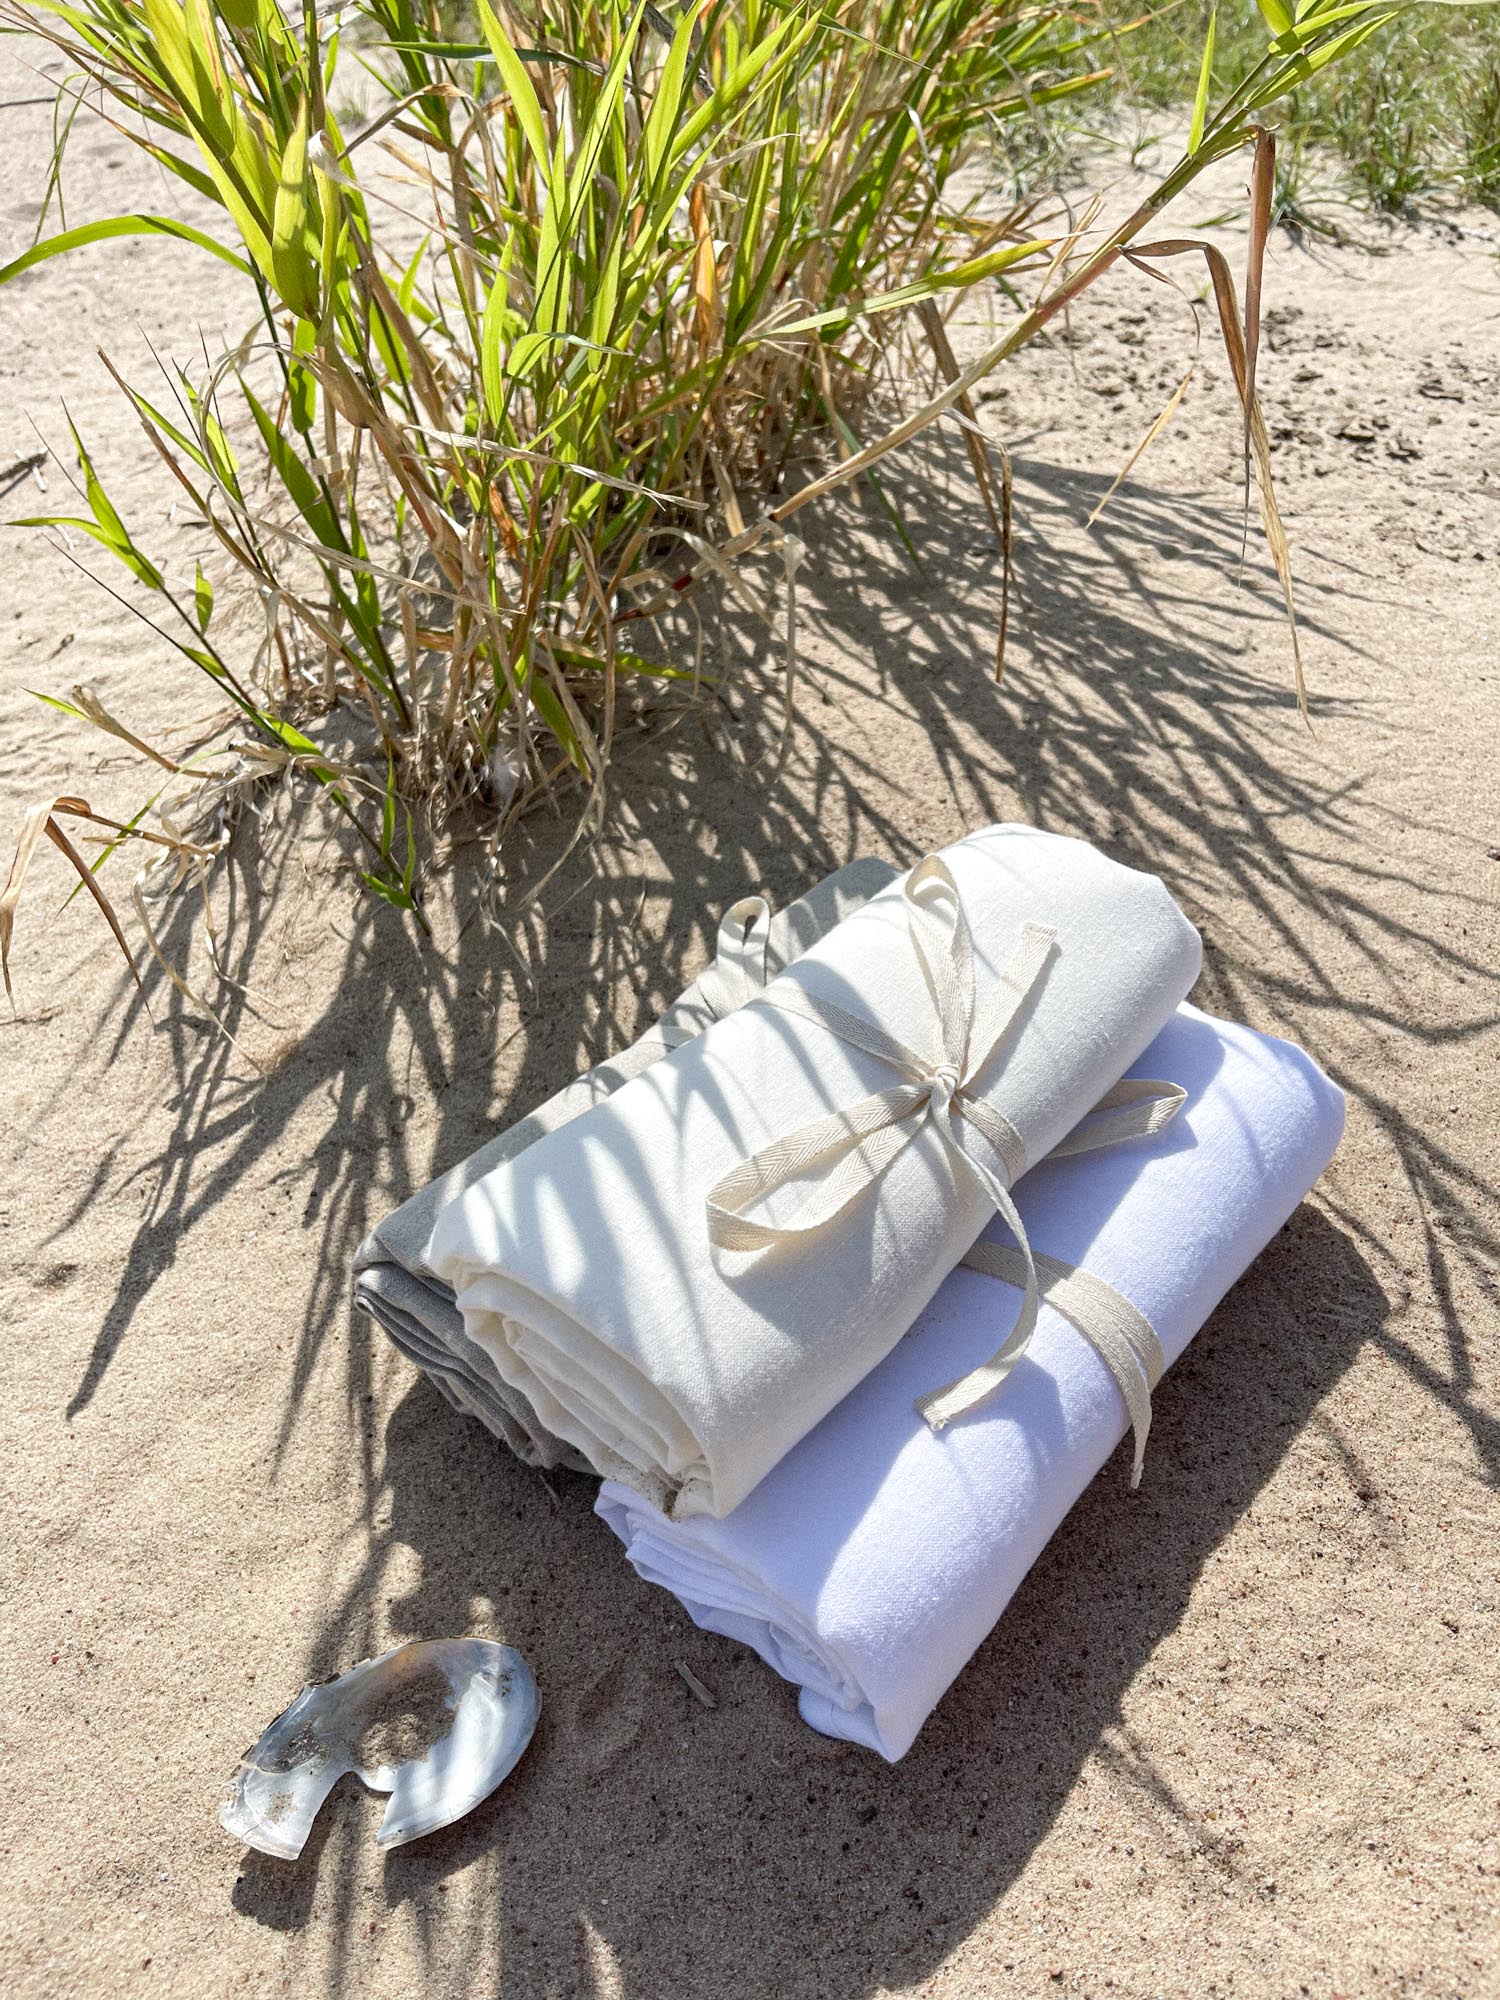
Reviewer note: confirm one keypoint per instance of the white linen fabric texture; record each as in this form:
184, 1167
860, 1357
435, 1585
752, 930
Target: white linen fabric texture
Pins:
393, 1279
875, 1559
584, 1269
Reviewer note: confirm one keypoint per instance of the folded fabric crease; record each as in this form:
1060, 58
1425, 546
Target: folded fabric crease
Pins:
871, 1563
857, 1144
1005, 986
393, 1278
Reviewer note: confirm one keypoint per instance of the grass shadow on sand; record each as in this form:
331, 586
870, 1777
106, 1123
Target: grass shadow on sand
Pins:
603, 1865
1133, 714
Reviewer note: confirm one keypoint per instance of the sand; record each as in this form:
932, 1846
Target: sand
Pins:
1237, 1734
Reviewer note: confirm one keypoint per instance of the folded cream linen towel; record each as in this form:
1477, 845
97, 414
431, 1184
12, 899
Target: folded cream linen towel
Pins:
876, 1557
395, 1284
585, 1266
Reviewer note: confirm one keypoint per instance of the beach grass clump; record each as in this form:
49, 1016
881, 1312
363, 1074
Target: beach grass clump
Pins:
542, 332
559, 307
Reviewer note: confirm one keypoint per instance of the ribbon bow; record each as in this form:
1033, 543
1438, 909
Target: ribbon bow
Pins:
738, 973
851, 1149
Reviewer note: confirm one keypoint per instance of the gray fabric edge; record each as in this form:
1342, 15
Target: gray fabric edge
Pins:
392, 1281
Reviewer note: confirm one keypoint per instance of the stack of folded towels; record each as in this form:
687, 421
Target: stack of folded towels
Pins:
851, 1274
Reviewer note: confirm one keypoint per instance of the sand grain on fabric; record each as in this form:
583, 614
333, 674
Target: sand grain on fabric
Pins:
1237, 1733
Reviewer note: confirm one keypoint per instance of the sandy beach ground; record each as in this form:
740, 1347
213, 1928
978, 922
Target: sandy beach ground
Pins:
1238, 1732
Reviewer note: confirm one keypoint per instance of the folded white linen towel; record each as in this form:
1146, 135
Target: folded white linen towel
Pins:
877, 1556
393, 1280
584, 1267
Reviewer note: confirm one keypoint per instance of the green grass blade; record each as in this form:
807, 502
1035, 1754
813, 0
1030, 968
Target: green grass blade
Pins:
119, 225
518, 85
1205, 82
666, 106
138, 565
291, 223
958, 277
307, 496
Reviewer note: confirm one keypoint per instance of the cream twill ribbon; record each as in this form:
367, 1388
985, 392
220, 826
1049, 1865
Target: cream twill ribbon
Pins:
851, 1149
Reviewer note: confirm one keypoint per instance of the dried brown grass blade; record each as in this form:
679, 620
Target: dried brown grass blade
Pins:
39, 820
705, 271
1262, 193
996, 485
32, 828
1163, 418
729, 499
188, 992
1227, 303
90, 706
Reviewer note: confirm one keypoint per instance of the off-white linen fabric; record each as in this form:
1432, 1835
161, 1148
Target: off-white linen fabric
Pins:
583, 1266
877, 1556
393, 1280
